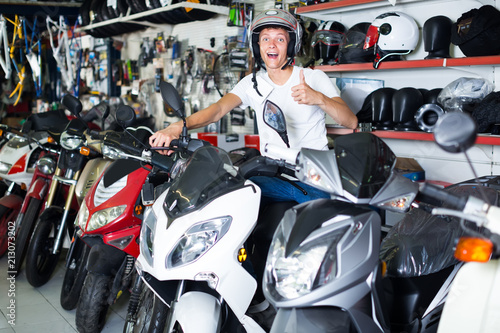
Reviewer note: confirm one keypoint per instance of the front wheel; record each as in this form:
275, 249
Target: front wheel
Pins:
150, 315
40, 261
75, 275
6, 215
25, 231
93, 305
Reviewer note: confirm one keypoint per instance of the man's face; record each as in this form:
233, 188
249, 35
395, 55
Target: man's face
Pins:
273, 43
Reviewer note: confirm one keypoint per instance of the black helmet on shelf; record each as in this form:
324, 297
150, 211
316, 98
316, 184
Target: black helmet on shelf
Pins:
276, 18
326, 41
351, 47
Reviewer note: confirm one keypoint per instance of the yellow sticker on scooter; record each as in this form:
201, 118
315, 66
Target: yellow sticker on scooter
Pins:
242, 255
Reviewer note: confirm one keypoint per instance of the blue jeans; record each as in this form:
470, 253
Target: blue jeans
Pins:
275, 189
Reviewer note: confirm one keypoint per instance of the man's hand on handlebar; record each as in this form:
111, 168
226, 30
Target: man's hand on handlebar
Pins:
164, 137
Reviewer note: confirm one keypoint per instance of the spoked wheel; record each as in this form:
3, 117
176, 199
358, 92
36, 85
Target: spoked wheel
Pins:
75, 276
142, 315
40, 261
25, 231
6, 215
93, 305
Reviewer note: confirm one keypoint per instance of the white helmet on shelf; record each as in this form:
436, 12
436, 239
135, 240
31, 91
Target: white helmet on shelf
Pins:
392, 34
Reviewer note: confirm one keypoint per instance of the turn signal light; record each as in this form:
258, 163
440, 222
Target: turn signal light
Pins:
85, 151
138, 210
473, 249
1, 132
51, 140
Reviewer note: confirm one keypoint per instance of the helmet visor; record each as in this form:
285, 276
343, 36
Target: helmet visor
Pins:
371, 37
327, 37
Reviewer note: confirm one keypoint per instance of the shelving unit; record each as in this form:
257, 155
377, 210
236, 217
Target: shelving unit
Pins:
482, 139
132, 18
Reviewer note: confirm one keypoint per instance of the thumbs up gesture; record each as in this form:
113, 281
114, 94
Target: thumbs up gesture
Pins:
303, 93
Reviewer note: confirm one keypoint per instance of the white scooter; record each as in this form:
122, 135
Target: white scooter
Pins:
193, 254
474, 298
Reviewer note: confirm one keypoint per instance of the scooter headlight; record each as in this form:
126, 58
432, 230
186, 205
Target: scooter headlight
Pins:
5, 167
197, 240
83, 216
312, 264
70, 142
46, 165
104, 216
148, 234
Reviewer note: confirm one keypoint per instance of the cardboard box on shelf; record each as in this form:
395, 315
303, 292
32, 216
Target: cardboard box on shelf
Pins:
13, 121
410, 168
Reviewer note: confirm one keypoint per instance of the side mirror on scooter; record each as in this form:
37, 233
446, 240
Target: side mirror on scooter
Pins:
455, 132
170, 96
125, 116
73, 104
274, 118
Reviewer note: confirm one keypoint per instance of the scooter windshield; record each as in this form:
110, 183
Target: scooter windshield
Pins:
209, 174
365, 163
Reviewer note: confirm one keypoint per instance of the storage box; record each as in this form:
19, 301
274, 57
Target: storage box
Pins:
410, 168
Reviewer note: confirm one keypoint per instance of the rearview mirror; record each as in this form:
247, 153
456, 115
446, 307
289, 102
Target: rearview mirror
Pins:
455, 132
73, 104
274, 118
125, 116
170, 96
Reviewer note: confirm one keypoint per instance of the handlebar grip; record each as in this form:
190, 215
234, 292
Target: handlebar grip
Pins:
163, 162
455, 201
287, 154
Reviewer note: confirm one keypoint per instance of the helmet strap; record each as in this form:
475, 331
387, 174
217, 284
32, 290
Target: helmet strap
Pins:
254, 78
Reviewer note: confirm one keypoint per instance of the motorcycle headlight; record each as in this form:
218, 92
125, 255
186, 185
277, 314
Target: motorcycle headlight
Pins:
312, 264
112, 153
70, 142
104, 216
46, 165
197, 240
148, 234
5, 167
83, 216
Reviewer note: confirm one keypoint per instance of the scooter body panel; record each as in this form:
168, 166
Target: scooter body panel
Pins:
38, 189
220, 261
206, 307
473, 303
11, 201
90, 173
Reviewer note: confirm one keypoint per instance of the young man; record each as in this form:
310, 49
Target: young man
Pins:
304, 96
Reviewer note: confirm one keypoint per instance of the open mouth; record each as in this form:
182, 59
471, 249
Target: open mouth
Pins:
272, 55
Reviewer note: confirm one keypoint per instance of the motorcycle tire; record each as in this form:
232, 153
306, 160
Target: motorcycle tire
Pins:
74, 277
93, 305
143, 315
25, 231
159, 315
40, 261
6, 215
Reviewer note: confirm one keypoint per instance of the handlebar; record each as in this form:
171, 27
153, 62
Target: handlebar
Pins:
455, 201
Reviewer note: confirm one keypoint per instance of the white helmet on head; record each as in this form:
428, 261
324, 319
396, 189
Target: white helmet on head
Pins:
276, 18
392, 34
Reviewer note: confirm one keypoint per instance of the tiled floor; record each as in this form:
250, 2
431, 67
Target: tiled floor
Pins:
39, 310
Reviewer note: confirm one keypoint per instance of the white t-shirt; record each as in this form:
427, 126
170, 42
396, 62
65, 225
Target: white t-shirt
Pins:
305, 123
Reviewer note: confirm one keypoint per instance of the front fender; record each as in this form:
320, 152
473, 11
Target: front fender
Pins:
105, 259
38, 189
11, 201
197, 312
53, 213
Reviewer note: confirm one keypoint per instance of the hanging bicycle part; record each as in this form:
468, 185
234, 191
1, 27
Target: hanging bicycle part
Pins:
4, 43
16, 50
65, 52
34, 54
224, 78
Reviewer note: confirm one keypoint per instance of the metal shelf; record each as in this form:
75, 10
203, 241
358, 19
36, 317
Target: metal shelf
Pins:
323, 11
131, 18
482, 139
405, 64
